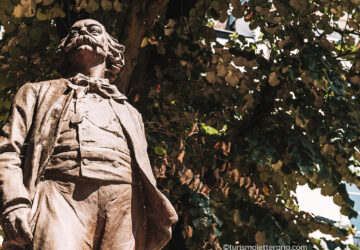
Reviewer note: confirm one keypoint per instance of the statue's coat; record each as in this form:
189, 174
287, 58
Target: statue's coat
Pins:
30, 135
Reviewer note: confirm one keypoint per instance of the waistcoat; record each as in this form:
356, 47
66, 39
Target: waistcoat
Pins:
91, 142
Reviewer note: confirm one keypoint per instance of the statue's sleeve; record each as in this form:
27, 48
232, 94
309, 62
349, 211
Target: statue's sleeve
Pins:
13, 193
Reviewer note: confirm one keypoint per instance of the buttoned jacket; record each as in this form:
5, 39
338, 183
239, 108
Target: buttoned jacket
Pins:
30, 136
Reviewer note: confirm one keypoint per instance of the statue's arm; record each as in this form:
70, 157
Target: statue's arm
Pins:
13, 193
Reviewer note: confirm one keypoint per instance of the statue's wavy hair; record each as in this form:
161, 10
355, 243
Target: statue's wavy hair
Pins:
115, 59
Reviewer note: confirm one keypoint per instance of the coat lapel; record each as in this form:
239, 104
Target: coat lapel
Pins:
131, 125
51, 108
155, 202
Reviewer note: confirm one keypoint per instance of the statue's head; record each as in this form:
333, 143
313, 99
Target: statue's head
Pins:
88, 43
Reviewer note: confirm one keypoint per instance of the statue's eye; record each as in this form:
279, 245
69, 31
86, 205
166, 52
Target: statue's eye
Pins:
74, 32
94, 30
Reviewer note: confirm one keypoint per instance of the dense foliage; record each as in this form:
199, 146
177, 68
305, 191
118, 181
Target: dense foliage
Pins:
231, 131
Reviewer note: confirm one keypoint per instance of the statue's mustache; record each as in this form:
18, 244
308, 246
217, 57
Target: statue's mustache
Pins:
82, 40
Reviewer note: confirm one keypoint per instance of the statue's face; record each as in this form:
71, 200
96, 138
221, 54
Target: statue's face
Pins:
86, 41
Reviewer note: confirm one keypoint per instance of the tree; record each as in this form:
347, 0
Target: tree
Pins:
231, 132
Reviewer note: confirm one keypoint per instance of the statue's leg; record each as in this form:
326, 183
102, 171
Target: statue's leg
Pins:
64, 215
124, 212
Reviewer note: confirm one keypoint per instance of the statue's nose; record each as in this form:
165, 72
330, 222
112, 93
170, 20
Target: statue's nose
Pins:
84, 31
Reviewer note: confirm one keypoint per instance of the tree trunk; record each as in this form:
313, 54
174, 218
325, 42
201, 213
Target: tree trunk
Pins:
140, 17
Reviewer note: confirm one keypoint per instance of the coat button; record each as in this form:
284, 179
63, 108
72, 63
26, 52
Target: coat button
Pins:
115, 164
86, 161
76, 118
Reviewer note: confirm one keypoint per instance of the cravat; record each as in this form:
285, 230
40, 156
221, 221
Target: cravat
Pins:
84, 84
99, 86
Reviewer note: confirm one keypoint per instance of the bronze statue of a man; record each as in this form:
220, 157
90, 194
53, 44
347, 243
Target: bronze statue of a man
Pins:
74, 168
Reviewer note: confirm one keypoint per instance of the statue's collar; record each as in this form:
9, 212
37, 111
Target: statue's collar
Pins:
98, 85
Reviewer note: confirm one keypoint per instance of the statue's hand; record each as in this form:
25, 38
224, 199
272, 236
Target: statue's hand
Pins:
16, 227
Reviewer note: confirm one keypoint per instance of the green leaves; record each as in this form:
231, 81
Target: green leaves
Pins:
209, 130
159, 150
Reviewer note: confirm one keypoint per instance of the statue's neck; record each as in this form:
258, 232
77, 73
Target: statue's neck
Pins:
97, 71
